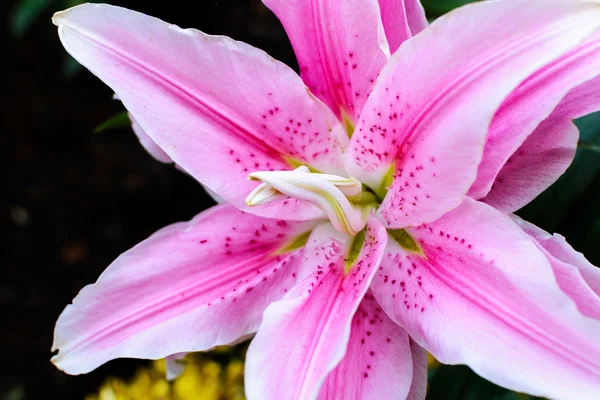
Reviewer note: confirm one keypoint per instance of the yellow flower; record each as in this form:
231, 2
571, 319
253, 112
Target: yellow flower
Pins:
203, 379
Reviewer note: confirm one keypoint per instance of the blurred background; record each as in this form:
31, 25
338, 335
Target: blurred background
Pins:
75, 199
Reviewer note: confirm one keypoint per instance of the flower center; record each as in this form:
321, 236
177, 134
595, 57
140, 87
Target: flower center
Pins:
343, 200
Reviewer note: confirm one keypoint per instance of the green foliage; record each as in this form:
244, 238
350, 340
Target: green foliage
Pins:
460, 383
70, 67
435, 8
584, 144
119, 120
25, 14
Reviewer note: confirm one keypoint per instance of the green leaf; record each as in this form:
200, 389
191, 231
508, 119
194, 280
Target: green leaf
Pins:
25, 14
119, 120
460, 383
435, 8
591, 240
73, 3
584, 144
70, 67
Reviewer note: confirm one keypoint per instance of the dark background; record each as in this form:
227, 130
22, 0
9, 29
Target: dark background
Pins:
73, 201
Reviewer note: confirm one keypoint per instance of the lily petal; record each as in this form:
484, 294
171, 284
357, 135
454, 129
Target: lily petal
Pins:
341, 48
174, 366
559, 248
304, 336
575, 275
531, 103
424, 131
378, 362
481, 293
402, 19
159, 155
220, 109
418, 387
546, 153
147, 143
539, 161
189, 287
583, 100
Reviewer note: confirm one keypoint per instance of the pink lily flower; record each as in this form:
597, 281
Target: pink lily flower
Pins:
347, 243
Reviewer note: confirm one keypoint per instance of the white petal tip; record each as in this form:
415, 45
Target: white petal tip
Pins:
58, 17
56, 361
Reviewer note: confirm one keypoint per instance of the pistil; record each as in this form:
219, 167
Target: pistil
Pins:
342, 199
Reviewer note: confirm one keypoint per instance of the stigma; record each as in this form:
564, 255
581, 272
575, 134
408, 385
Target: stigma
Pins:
333, 194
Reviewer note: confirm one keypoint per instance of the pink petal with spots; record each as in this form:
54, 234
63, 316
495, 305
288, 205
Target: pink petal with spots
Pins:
304, 336
432, 127
147, 143
531, 103
402, 19
219, 108
340, 46
575, 275
546, 153
484, 295
378, 361
188, 287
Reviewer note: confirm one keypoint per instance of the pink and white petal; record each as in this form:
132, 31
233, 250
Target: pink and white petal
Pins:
582, 100
546, 153
402, 19
542, 158
189, 287
559, 248
220, 109
531, 103
174, 366
418, 387
147, 143
574, 273
155, 151
304, 336
378, 363
218, 199
483, 294
425, 128
340, 46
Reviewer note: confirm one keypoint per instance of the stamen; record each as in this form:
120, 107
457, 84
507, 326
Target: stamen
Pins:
328, 192
262, 194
